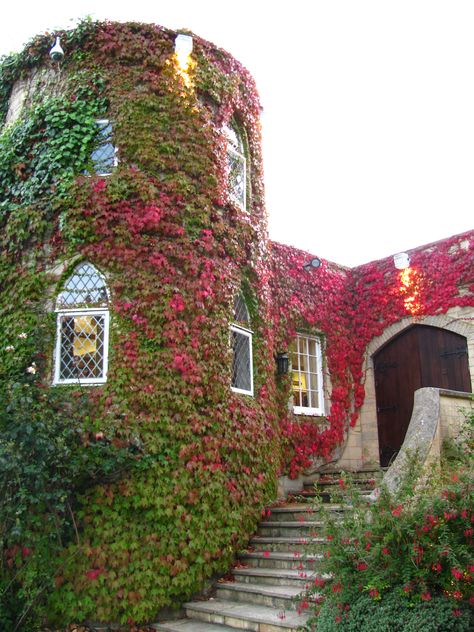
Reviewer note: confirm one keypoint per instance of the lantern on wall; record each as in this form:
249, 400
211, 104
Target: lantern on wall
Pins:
283, 363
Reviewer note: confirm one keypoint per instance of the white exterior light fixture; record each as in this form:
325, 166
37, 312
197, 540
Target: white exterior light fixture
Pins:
183, 47
401, 261
57, 53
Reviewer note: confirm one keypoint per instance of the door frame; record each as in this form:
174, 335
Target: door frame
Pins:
362, 445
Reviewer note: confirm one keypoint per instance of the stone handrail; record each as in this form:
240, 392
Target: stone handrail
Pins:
429, 426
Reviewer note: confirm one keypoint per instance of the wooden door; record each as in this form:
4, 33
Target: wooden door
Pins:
419, 356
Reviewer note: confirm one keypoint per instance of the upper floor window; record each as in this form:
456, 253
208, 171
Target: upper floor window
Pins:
82, 330
242, 360
306, 364
104, 156
237, 167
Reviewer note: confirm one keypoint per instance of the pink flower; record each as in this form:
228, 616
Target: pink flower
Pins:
425, 596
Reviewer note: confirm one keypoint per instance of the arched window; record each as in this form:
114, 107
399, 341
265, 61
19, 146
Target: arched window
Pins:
82, 333
237, 166
241, 338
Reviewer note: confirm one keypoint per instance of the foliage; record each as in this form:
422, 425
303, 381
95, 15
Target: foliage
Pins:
413, 548
175, 251
350, 308
395, 613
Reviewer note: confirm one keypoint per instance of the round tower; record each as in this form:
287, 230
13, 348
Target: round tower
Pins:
134, 302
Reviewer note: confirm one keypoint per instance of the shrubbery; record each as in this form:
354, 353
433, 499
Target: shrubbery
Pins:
397, 559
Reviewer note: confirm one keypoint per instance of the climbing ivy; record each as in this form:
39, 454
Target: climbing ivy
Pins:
193, 462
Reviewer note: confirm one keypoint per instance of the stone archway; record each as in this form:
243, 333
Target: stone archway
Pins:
362, 446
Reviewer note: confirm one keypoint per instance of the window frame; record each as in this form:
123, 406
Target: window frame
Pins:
239, 154
104, 123
57, 381
247, 333
309, 410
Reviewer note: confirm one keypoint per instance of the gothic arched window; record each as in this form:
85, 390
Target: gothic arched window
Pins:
236, 166
82, 333
241, 339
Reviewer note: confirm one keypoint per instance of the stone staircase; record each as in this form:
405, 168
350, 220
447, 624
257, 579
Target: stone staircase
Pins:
265, 591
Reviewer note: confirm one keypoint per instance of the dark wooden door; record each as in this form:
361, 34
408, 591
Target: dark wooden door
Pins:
419, 356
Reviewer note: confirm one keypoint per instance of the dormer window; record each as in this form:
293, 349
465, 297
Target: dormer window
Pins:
236, 167
82, 331
104, 156
241, 340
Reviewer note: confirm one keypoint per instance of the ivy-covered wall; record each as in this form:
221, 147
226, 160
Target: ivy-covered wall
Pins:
147, 485
175, 251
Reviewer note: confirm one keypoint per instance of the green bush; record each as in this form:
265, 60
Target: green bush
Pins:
412, 552
394, 613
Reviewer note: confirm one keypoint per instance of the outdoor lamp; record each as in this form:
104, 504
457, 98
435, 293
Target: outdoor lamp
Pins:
401, 261
314, 263
183, 47
283, 363
56, 53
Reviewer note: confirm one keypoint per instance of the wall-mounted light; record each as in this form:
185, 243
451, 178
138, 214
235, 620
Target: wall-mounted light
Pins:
57, 53
314, 263
183, 47
401, 261
283, 363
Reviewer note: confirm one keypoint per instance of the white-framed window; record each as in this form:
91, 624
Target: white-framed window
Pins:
104, 155
236, 167
82, 328
307, 372
241, 341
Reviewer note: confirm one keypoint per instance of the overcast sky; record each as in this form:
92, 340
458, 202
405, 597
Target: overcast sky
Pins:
368, 116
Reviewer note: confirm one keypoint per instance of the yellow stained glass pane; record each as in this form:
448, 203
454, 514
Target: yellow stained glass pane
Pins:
85, 328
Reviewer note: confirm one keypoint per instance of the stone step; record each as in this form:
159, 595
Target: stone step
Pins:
245, 617
301, 578
263, 543
190, 625
294, 528
291, 560
284, 597
296, 511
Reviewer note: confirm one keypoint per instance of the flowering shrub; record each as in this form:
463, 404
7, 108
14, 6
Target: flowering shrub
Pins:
413, 549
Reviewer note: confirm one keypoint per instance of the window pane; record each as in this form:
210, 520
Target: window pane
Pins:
241, 363
103, 156
81, 346
307, 374
84, 288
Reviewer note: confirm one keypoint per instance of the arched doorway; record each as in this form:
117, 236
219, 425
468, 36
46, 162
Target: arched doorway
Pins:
419, 356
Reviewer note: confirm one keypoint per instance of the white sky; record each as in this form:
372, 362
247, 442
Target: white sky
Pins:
368, 108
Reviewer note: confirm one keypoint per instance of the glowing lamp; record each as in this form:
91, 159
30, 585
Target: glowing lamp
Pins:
401, 261
183, 47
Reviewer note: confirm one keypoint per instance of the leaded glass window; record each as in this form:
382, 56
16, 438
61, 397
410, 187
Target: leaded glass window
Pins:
306, 364
82, 328
241, 341
236, 167
104, 155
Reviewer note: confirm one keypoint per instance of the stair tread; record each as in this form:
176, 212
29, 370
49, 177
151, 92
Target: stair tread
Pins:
280, 555
250, 612
285, 591
261, 539
291, 523
191, 625
276, 572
